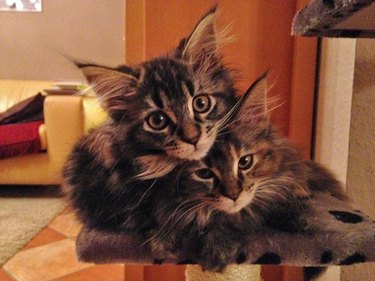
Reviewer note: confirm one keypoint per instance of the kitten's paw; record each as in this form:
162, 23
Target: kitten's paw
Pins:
213, 265
217, 258
162, 250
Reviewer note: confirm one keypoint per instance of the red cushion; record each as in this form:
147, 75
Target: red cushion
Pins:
19, 139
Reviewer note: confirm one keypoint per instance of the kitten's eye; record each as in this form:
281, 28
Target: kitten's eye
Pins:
246, 162
201, 103
158, 120
205, 174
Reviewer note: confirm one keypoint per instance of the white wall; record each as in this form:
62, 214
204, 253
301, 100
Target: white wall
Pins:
361, 164
334, 104
31, 44
336, 72
345, 139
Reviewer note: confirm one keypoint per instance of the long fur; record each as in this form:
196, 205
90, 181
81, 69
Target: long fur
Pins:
271, 193
128, 176
111, 174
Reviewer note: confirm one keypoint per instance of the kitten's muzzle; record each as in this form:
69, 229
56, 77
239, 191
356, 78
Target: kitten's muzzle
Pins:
231, 191
233, 195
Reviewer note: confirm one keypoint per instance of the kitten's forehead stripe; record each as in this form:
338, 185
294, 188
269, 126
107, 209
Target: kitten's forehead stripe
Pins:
157, 99
235, 158
185, 90
190, 87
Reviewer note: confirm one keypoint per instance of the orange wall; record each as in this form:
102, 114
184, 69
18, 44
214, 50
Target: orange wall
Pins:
261, 30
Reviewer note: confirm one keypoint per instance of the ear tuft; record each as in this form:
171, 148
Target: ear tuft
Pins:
257, 92
255, 105
201, 48
114, 88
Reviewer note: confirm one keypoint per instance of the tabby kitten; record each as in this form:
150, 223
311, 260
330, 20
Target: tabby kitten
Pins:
170, 104
162, 110
251, 177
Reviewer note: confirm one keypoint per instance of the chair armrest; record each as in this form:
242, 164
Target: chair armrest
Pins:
93, 113
64, 123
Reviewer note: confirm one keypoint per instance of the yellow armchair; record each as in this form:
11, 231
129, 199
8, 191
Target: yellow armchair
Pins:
67, 118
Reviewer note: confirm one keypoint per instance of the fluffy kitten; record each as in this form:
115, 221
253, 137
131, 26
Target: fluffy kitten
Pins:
162, 110
170, 103
251, 177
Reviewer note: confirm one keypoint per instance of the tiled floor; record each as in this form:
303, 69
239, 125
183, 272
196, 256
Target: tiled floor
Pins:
51, 256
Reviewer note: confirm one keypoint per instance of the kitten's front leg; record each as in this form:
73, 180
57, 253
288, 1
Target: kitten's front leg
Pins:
219, 248
163, 246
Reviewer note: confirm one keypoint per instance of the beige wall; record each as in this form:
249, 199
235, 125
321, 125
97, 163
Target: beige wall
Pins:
334, 104
337, 62
31, 44
345, 139
361, 164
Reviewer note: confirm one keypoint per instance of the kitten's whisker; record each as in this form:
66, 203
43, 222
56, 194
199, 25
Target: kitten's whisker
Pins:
222, 124
231, 112
165, 224
191, 209
179, 176
253, 216
143, 196
173, 214
187, 213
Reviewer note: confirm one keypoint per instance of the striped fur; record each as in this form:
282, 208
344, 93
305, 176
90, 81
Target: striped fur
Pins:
169, 84
111, 173
218, 206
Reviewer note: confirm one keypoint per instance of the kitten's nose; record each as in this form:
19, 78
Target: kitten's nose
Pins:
190, 133
231, 190
233, 195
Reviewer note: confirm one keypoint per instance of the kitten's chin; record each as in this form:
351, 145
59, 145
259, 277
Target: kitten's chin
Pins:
232, 207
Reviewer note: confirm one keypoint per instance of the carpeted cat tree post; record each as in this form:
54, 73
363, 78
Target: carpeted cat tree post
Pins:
336, 233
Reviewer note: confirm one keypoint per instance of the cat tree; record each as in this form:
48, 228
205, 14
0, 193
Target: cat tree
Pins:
335, 234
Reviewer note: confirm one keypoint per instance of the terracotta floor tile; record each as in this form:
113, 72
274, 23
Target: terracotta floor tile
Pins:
110, 272
68, 210
46, 262
4, 276
67, 224
47, 235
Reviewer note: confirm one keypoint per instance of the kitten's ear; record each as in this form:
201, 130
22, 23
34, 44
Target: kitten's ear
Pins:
254, 101
200, 49
115, 89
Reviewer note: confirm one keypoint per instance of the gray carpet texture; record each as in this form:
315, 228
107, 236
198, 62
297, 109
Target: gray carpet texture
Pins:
24, 212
